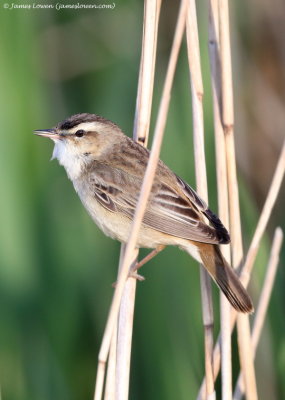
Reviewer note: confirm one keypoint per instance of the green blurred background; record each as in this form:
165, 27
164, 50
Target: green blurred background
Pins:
56, 267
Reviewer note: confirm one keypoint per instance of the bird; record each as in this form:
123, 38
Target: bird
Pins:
107, 168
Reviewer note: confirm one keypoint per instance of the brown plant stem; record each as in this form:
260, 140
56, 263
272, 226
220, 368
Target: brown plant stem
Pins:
243, 328
124, 336
140, 134
263, 303
251, 254
201, 180
141, 205
221, 170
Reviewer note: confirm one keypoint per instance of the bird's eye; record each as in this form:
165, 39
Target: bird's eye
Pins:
79, 133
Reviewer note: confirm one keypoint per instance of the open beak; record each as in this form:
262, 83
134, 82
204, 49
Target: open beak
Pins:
49, 133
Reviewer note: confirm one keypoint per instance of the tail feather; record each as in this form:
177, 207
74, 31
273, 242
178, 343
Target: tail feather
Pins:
226, 278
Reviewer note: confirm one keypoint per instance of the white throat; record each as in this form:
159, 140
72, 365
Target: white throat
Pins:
67, 157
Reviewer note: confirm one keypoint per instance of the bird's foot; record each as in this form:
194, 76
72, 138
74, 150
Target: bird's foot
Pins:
133, 271
132, 274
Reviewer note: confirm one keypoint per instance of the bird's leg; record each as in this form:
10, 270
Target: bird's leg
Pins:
147, 258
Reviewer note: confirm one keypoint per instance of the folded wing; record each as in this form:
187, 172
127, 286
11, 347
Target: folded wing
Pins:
167, 211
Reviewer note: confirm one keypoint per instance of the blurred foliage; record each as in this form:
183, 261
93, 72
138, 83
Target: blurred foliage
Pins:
56, 268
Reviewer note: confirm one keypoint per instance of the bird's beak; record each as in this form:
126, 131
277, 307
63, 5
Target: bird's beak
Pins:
49, 133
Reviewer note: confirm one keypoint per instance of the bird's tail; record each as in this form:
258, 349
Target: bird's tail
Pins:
225, 277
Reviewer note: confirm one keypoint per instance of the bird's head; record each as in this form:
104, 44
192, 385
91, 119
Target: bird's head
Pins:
80, 139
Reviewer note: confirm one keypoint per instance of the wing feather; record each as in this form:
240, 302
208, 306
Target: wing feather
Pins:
167, 211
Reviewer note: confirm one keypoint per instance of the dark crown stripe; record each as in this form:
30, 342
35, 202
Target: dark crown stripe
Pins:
77, 119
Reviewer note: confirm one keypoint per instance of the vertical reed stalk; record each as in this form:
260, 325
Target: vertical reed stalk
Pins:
263, 303
147, 71
141, 205
124, 336
245, 351
201, 180
141, 131
252, 252
110, 386
221, 168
